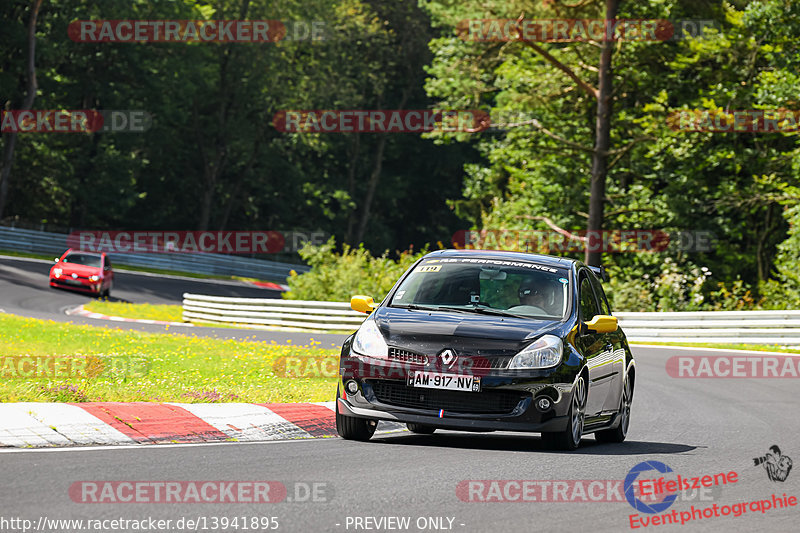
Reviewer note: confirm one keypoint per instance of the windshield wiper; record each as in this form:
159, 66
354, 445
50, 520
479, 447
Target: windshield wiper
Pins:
496, 312
416, 307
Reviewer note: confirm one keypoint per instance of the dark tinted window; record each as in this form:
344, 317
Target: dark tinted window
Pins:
601, 295
83, 259
588, 303
522, 288
108, 262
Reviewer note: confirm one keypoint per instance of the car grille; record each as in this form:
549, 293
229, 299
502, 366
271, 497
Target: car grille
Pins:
405, 356
492, 363
400, 395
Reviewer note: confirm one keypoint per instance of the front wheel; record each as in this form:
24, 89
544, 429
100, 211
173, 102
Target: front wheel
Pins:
619, 433
570, 438
352, 428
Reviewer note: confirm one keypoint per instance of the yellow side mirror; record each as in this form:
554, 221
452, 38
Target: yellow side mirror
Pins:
364, 304
602, 324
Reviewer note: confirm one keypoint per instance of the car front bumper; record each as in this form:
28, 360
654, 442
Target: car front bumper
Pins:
94, 287
508, 400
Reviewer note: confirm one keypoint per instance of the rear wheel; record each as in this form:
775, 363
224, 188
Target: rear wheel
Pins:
422, 429
570, 437
352, 428
619, 433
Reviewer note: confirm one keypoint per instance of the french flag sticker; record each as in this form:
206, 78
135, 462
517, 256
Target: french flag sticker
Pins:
441, 413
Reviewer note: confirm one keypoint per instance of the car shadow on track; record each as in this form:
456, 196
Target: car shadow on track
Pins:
90, 295
530, 443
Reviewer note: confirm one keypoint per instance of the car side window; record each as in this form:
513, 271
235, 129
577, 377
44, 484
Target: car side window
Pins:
108, 262
588, 302
605, 309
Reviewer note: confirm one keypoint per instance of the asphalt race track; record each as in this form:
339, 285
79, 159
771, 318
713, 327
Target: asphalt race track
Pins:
695, 426
24, 291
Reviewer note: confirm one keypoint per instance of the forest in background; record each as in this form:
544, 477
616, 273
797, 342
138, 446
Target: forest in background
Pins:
213, 159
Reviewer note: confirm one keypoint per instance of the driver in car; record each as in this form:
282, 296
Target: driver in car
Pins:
534, 297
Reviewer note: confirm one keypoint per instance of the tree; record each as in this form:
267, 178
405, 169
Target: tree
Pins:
10, 139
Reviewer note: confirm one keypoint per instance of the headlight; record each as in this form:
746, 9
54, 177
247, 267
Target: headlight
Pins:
369, 341
94, 278
57, 272
542, 353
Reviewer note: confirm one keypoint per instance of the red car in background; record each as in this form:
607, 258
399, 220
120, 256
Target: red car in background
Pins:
83, 271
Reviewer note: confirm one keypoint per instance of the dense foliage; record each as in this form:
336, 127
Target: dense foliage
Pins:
338, 276
214, 160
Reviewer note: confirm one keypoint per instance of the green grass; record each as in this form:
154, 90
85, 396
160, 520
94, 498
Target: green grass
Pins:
161, 367
167, 313
754, 347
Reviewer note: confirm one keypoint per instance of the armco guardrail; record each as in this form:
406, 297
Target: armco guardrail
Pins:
739, 327
263, 313
42, 242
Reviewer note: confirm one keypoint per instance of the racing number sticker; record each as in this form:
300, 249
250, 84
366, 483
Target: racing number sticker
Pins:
430, 268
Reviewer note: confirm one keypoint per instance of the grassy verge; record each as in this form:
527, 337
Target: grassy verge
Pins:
168, 313
752, 347
136, 366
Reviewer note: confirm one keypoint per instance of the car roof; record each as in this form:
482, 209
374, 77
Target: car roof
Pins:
547, 260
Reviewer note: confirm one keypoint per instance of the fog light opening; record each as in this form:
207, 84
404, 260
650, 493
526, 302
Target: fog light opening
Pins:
351, 387
543, 403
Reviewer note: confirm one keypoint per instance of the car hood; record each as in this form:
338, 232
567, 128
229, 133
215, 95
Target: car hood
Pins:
81, 270
467, 333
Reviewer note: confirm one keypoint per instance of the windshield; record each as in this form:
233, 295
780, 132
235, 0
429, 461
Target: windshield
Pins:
83, 259
513, 288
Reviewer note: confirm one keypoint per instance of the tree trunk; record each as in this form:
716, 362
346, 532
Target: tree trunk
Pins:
373, 184
602, 142
219, 158
351, 188
11, 138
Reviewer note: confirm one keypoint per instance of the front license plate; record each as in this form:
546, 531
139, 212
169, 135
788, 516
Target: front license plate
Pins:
432, 380
75, 282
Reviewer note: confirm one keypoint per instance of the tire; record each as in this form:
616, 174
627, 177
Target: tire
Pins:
570, 438
420, 429
351, 428
619, 433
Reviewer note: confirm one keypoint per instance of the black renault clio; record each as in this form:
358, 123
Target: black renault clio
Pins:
483, 341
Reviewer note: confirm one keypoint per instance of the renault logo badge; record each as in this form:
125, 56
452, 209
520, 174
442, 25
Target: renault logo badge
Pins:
448, 356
